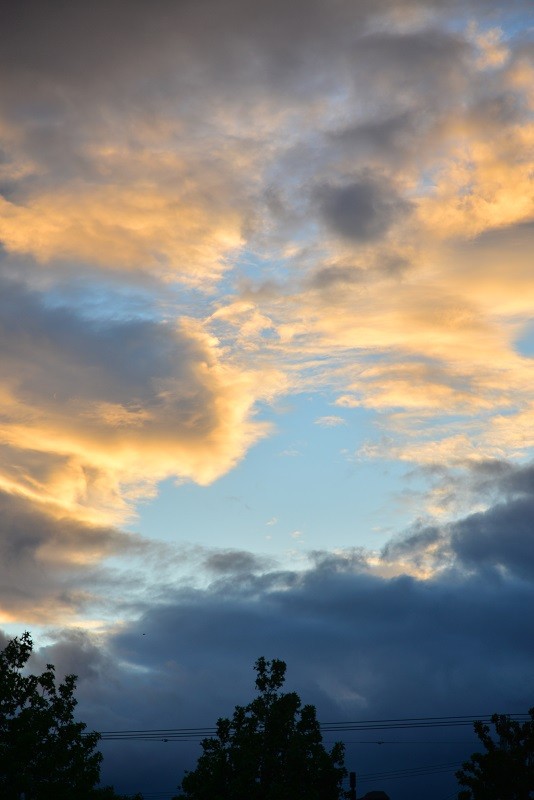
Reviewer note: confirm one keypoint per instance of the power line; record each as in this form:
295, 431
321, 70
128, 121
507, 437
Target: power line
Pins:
404, 723
401, 741
415, 722
467, 717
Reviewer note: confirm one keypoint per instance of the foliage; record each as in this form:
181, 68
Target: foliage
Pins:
271, 749
44, 753
506, 770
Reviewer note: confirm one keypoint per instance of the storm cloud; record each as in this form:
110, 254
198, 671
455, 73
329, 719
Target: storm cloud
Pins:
357, 645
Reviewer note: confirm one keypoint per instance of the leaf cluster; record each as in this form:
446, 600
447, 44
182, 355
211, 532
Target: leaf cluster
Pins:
271, 749
44, 752
505, 771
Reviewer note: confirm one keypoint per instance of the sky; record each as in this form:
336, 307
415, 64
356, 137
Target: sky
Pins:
267, 342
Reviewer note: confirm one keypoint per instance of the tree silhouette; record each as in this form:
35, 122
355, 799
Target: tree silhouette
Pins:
271, 749
506, 770
44, 753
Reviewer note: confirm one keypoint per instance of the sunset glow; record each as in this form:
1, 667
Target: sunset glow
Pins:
267, 321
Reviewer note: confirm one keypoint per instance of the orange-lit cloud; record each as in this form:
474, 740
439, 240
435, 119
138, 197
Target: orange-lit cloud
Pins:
305, 197
87, 431
134, 228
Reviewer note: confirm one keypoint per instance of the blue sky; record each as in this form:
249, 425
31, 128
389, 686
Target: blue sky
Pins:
266, 308
265, 504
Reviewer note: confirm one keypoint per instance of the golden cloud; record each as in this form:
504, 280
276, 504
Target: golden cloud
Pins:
92, 459
135, 227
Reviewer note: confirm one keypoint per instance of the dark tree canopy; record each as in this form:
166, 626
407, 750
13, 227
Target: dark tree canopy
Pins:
506, 770
271, 749
44, 753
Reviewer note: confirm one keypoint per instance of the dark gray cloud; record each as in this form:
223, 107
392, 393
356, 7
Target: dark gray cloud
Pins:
357, 645
85, 41
54, 352
78, 654
387, 138
230, 562
75, 35
334, 277
503, 537
499, 479
417, 540
518, 480
47, 565
499, 539
362, 210
83, 75
427, 59
332, 280
126, 51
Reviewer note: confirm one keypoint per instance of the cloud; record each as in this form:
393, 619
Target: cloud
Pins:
357, 645
78, 653
412, 64
134, 229
96, 413
230, 562
49, 566
501, 536
492, 542
337, 277
383, 138
141, 149
330, 421
340, 196
362, 210
419, 320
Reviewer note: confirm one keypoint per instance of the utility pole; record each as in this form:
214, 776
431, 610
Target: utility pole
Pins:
352, 781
